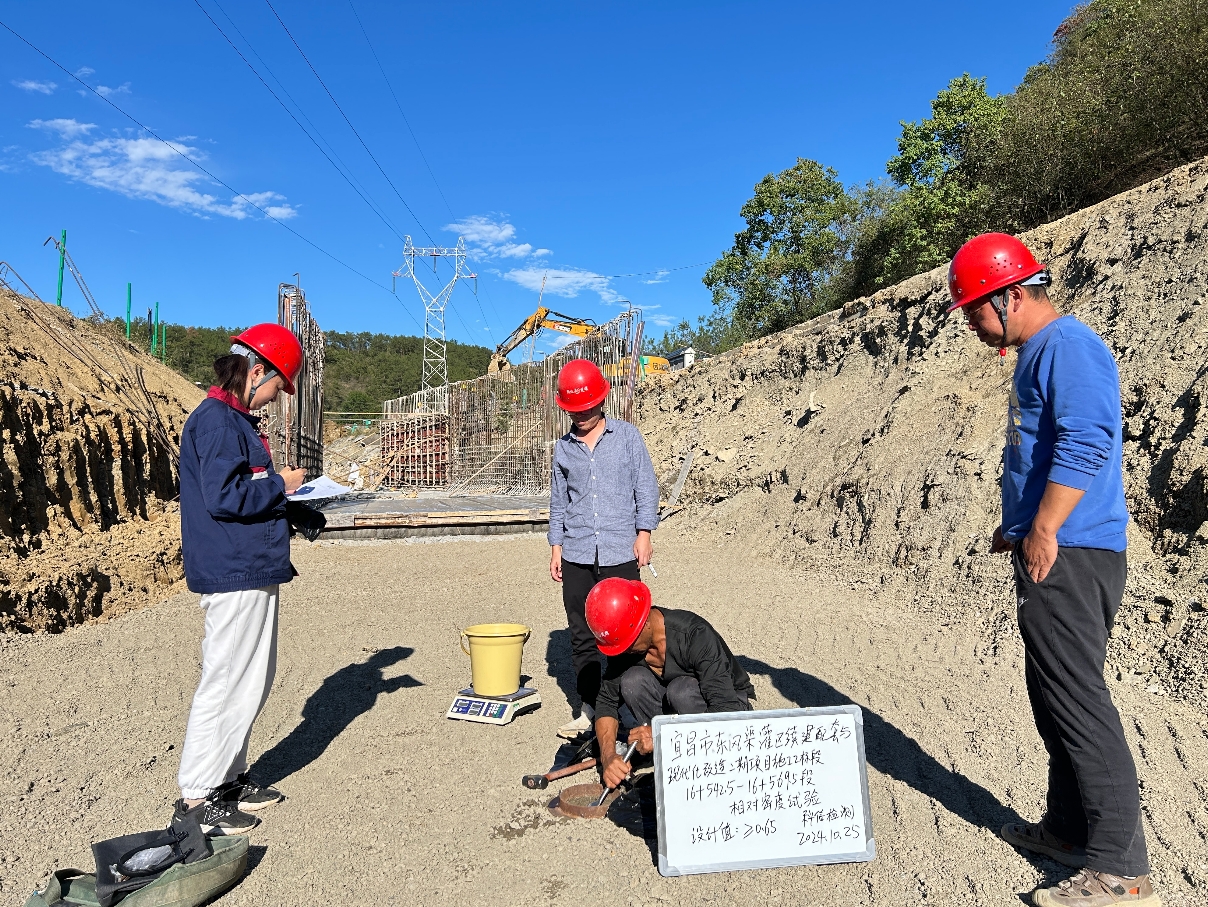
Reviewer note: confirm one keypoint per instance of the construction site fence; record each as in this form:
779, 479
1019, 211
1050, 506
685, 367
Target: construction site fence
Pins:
294, 422
496, 434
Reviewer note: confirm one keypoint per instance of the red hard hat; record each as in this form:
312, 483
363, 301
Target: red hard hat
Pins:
581, 385
616, 612
986, 264
277, 346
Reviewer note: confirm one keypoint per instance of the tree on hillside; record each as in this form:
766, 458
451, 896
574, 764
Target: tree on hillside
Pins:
361, 370
190, 351
939, 167
779, 271
714, 333
1122, 99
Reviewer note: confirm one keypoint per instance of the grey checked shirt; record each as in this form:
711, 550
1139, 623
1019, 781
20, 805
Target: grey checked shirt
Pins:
599, 499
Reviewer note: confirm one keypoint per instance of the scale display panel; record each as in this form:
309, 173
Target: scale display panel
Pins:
469, 706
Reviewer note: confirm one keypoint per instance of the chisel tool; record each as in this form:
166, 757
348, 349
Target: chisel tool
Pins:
608, 790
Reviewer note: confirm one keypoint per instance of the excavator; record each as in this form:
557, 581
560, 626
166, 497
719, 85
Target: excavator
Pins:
545, 318
542, 318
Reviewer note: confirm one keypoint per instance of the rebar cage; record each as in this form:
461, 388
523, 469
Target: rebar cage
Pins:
294, 423
496, 434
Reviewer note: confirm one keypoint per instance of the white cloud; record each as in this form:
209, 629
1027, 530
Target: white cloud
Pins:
553, 341
7, 164
662, 321
492, 237
145, 168
33, 85
84, 71
564, 282
659, 277
281, 212
67, 129
105, 91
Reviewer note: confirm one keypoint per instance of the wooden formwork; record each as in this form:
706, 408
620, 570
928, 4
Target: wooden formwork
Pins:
415, 450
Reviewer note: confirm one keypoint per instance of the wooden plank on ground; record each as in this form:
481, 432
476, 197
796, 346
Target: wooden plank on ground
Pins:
448, 518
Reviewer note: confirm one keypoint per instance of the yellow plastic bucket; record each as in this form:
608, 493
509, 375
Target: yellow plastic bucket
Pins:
495, 652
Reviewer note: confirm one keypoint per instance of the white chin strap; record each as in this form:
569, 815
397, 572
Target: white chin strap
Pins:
252, 361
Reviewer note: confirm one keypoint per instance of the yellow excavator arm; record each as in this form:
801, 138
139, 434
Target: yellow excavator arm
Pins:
542, 318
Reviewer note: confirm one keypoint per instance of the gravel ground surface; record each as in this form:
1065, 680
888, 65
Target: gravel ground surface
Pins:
389, 803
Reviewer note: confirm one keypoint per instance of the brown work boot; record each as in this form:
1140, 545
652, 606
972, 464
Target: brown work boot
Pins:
1034, 837
1089, 888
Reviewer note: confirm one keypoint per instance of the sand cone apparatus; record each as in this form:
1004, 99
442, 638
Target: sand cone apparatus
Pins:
495, 652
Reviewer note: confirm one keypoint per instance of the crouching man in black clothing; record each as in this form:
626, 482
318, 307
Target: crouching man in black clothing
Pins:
660, 662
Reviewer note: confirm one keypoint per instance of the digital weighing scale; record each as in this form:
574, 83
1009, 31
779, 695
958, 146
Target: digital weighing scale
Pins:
469, 706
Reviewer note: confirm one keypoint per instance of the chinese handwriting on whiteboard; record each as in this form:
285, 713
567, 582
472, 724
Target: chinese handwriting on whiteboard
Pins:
767, 779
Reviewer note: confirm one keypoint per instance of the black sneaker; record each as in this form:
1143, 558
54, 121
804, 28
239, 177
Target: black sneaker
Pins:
247, 795
217, 818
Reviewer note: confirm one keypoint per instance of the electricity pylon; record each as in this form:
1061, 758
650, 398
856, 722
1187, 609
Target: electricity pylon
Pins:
436, 360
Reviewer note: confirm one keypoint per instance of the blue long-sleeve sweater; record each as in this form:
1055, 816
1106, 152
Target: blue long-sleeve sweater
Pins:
1064, 426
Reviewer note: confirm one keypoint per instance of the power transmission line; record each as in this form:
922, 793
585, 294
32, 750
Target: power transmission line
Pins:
372, 157
423, 157
349, 122
386, 79
347, 176
177, 150
372, 206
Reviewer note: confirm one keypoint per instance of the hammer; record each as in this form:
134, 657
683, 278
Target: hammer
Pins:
541, 782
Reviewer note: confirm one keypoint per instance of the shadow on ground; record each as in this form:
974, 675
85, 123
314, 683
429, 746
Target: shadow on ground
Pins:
348, 693
893, 752
888, 749
559, 665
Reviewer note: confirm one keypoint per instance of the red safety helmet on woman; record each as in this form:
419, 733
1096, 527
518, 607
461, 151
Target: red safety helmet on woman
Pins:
616, 611
581, 385
278, 347
986, 264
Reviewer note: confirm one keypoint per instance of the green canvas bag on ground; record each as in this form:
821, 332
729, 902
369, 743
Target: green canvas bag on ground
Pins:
182, 885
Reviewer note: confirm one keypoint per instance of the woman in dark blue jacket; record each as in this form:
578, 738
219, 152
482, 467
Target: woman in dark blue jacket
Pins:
236, 552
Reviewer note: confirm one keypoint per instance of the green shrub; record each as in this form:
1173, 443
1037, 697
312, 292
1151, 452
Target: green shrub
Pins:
1121, 99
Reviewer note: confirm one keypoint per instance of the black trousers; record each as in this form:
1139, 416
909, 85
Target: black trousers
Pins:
577, 581
647, 696
1093, 798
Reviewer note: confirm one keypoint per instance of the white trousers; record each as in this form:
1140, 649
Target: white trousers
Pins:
238, 661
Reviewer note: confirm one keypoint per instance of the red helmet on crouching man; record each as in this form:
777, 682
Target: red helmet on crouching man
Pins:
616, 612
660, 662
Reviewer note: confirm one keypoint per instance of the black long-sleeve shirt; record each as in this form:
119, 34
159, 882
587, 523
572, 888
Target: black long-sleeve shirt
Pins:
695, 649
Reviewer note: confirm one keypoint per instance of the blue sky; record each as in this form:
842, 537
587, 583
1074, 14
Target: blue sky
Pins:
570, 139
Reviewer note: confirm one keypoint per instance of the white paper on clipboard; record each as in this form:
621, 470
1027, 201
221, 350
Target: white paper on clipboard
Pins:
318, 490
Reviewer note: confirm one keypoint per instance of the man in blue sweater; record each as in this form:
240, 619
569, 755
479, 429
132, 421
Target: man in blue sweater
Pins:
1064, 519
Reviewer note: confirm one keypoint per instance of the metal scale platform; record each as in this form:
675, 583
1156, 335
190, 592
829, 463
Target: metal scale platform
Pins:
469, 706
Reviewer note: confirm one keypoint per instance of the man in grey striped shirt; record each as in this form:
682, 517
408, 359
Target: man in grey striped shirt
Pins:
603, 506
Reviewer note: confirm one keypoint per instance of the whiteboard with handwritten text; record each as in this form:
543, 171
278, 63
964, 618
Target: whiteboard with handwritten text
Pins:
750, 790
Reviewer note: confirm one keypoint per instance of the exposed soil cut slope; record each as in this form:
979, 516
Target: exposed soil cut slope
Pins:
88, 432
867, 443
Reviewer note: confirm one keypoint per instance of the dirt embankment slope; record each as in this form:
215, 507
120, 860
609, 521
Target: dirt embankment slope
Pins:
88, 425
867, 443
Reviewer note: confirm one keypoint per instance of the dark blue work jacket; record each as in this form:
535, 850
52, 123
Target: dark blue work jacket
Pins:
232, 502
